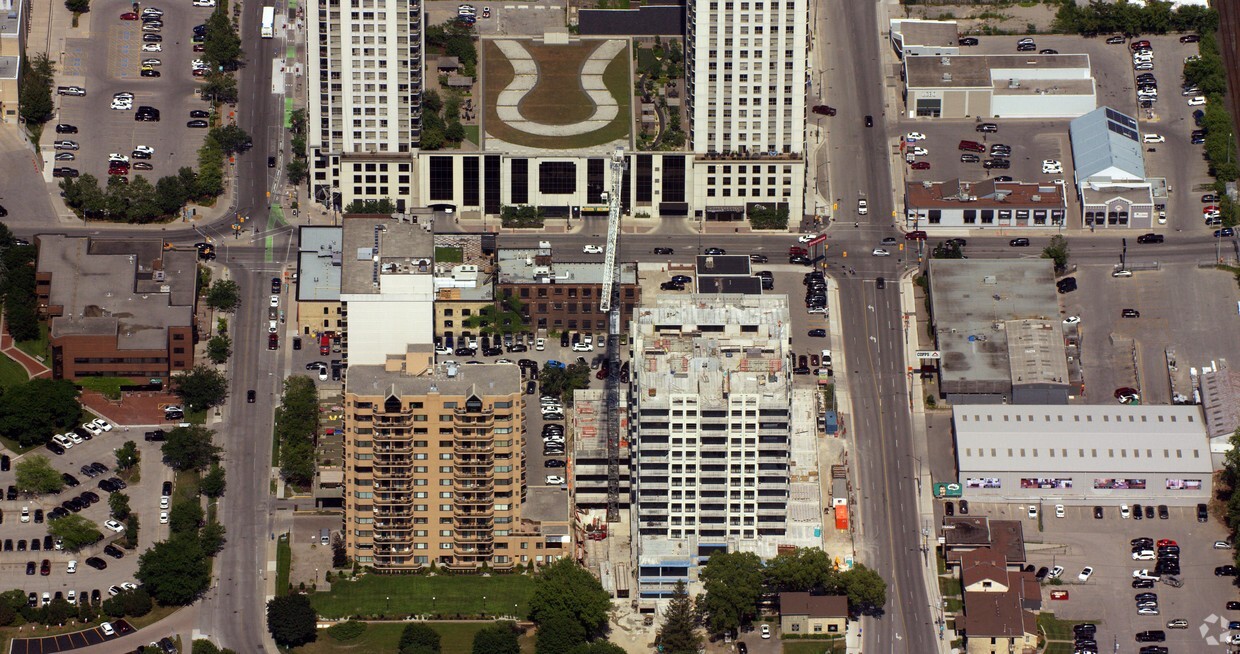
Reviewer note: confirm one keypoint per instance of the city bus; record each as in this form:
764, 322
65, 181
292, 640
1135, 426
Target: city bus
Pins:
269, 22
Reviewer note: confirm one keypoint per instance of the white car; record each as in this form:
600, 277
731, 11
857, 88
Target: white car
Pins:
592, 249
440, 349
106, 627
1072, 320
920, 152
1144, 574
582, 347
1153, 138
155, 47
92, 428
1197, 101
863, 207
554, 479
62, 441
1123, 511
203, 3
1055, 572
275, 300
1051, 166
1145, 65
1121, 273
322, 373
1059, 511
1222, 545
879, 252
914, 136
121, 105
25, 514
163, 502
102, 424
144, 149
1033, 511
114, 526
806, 238
152, 62
71, 567
1085, 574
118, 157
72, 435
540, 344
1144, 555
766, 631
163, 517
1147, 610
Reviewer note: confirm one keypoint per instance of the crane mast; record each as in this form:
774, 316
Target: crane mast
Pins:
610, 304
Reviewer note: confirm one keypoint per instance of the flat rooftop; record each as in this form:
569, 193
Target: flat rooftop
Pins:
699, 345
984, 194
11, 18
526, 266
728, 264
444, 379
973, 300
989, 71
131, 288
319, 259
929, 33
1095, 194
1081, 438
10, 67
377, 245
1036, 352
729, 284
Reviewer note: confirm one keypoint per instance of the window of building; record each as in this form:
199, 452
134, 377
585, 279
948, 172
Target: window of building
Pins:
441, 178
557, 177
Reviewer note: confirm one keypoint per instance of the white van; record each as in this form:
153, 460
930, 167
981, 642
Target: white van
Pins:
1152, 138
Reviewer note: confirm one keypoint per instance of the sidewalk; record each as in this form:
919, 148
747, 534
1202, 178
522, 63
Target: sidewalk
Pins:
34, 368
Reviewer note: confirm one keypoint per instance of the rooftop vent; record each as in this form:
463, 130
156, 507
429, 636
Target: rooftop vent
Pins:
1013, 83
947, 77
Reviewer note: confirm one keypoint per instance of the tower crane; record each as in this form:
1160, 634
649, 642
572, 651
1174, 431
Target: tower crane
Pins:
610, 304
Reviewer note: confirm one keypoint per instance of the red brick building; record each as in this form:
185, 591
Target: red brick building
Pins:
116, 307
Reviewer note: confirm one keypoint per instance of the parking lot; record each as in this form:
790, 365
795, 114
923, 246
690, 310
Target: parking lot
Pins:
1163, 298
526, 18
1078, 540
1033, 140
143, 500
110, 62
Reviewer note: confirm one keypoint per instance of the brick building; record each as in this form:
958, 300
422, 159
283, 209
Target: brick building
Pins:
116, 307
561, 295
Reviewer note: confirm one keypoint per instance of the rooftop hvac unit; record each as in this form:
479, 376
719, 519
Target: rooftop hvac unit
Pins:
1013, 83
947, 77
1036, 197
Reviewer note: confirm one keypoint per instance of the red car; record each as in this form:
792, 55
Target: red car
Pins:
1166, 542
915, 236
921, 165
129, 16
199, 72
273, 341
198, 47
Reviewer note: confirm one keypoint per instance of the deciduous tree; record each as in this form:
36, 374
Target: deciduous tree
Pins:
733, 585
499, 638
189, 448
35, 474
76, 531
291, 620
127, 456
176, 571
201, 388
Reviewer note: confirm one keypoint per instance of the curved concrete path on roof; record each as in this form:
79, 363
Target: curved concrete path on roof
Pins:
525, 77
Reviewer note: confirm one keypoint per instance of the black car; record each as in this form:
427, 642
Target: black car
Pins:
1149, 508
249, 396
1202, 513
869, 121
166, 491
90, 497
97, 563
1143, 583
1067, 285
996, 163
964, 507
70, 480
553, 463
1153, 649
1151, 238
30, 567
530, 387
1133, 313
65, 128
664, 251
65, 171
968, 40
76, 504
47, 542
38, 516
149, 73
818, 333
107, 485
271, 162
118, 482
671, 286
758, 258
11, 493
199, 113
55, 447
156, 435
1084, 630
5, 463
1137, 513
1225, 571
718, 252
57, 513
199, 124
113, 551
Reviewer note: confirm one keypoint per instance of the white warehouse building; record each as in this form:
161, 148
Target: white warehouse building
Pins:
1083, 454
999, 86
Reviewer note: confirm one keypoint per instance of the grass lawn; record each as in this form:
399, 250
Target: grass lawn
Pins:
949, 585
449, 255
1062, 647
458, 638
558, 98
185, 486
471, 134
110, 387
284, 563
11, 373
814, 646
40, 348
412, 594
1055, 629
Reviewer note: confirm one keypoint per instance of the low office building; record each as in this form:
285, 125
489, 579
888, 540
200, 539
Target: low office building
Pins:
964, 534
1109, 164
436, 472
116, 307
915, 37
987, 203
1106, 454
1220, 400
559, 295
997, 328
806, 614
319, 256
729, 273
999, 86
13, 31
464, 283
387, 287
